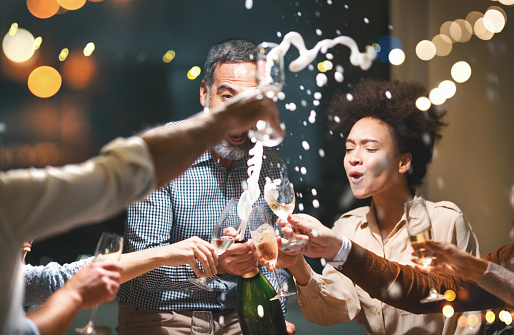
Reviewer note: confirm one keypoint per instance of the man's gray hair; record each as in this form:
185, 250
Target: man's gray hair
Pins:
228, 51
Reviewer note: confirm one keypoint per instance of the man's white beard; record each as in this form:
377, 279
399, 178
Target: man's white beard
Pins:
231, 151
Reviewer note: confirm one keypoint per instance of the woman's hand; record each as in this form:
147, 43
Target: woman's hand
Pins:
190, 251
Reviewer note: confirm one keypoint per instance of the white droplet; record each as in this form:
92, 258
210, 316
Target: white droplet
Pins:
338, 76
366, 20
279, 34
317, 95
321, 152
260, 311
305, 145
292, 106
281, 95
300, 207
304, 103
315, 203
303, 170
388, 95
314, 192
330, 56
349, 97
321, 80
249, 4
312, 117
315, 233
221, 320
315, 102
318, 32
337, 119
323, 262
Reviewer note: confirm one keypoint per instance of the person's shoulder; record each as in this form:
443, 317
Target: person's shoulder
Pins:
445, 205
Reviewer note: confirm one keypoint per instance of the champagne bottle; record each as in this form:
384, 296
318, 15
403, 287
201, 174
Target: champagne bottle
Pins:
257, 314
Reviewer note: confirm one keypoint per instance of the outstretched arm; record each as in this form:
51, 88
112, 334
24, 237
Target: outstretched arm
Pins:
91, 286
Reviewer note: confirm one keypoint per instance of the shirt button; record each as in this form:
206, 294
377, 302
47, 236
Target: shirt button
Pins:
378, 312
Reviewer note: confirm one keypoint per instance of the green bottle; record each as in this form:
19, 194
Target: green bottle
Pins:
257, 314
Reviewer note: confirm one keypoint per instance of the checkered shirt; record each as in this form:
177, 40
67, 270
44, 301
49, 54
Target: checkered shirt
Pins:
190, 206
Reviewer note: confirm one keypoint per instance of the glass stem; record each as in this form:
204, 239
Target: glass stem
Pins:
280, 291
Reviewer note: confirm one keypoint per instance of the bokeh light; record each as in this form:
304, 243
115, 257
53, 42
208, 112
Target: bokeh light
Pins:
449, 295
461, 71
448, 89
385, 45
88, 49
507, 2
483, 29
472, 320
497, 16
505, 317
448, 311
64, 54
461, 31
425, 50
168, 56
18, 44
490, 317
37, 42
43, 9
194, 72
436, 96
443, 45
473, 16
396, 57
44, 81
72, 4
423, 103
78, 70
462, 321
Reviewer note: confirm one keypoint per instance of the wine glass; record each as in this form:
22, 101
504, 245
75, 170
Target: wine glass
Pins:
223, 236
202, 323
110, 245
419, 227
279, 194
269, 77
265, 240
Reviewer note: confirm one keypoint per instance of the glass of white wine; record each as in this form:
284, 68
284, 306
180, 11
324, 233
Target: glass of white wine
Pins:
279, 194
269, 77
223, 236
419, 227
265, 240
110, 247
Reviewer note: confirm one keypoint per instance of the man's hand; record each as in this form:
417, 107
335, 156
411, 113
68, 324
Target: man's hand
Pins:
321, 240
248, 107
190, 251
238, 259
451, 260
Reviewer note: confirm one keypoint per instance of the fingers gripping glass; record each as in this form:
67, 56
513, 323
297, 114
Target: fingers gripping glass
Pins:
111, 244
419, 227
223, 236
265, 240
279, 194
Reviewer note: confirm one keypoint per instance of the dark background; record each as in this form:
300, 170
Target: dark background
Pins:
133, 88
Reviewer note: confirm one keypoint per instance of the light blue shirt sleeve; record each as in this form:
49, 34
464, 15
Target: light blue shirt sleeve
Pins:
43, 281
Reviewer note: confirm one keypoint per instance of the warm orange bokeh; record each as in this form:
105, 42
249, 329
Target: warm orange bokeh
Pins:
72, 4
44, 81
78, 70
43, 9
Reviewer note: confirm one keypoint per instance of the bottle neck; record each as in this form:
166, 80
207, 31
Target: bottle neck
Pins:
251, 274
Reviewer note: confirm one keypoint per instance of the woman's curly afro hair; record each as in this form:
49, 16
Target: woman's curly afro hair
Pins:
394, 103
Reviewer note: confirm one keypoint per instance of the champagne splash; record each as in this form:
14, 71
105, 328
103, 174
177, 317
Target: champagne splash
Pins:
363, 60
250, 196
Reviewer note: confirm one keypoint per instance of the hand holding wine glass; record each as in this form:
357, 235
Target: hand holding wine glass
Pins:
265, 241
279, 194
419, 227
270, 79
109, 246
223, 236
